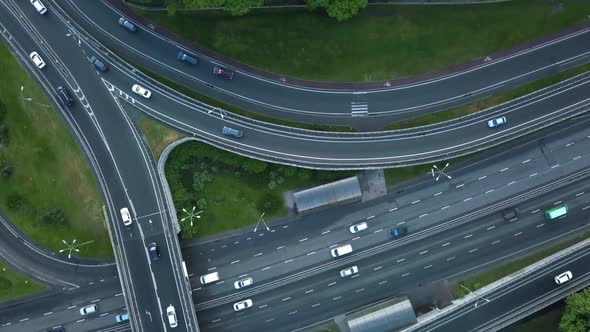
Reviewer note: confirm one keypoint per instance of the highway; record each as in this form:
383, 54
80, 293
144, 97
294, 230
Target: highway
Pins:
127, 178
331, 105
518, 298
122, 166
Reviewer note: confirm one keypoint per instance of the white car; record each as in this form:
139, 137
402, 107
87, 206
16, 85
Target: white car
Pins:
140, 90
39, 6
563, 278
350, 271
171, 313
126, 216
497, 122
358, 227
242, 305
37, 60
89, 309
243, 283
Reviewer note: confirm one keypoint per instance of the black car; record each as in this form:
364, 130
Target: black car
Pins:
220, 71
397, 232
64, 96
510, 214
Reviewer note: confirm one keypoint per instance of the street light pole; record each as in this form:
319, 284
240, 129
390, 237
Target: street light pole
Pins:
191, 215
435, 171
73, 247
477, 297
261, 219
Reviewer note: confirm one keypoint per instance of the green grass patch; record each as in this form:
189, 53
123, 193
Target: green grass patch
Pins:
14, 285
230, 108
381, 43
157, 135
50, 194
233, 191
330, 327
490, 276
487, 102
545, 321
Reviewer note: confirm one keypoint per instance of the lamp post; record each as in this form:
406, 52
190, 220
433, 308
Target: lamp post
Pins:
437, 172
29, 99
477, 297
191, 215
261, 219
73, 247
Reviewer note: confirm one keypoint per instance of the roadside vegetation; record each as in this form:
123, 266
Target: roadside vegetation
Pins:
490, 276
46, 186
14, 286
233, 191
382, 43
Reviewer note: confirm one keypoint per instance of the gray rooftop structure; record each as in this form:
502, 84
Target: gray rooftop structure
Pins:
389, 315
329, 194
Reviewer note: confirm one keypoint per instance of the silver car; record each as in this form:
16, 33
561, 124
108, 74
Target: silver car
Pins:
496, 122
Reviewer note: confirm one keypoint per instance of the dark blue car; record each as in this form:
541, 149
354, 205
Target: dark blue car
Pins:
397, 232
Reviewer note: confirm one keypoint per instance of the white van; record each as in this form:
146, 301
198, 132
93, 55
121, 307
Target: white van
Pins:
342, 250
209, 278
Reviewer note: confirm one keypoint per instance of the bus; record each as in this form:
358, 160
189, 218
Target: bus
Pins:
556, 212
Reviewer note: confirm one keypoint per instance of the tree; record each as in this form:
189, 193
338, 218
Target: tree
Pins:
576, 317
55, 217
338, 9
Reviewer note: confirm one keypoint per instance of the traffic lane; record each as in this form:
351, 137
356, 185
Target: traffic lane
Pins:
64, 309
234, 267
285, 146
396, 98
510, 298
510, 237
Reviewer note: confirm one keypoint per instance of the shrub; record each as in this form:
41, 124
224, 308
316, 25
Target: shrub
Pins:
55, 217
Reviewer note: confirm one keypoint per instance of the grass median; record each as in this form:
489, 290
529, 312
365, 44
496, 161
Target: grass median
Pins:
14, 285
46, 186
381, 43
